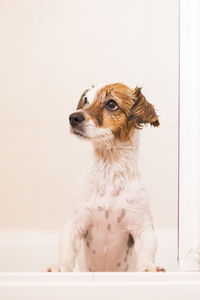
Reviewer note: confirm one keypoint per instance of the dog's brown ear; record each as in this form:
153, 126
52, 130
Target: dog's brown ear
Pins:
142, 112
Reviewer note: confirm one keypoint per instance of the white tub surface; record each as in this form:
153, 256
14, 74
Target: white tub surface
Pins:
24, 255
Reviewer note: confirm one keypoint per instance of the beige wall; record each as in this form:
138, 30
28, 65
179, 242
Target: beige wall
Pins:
51, 51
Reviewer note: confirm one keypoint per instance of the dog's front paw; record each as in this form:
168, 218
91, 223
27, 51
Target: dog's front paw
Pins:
56, 268
150, 267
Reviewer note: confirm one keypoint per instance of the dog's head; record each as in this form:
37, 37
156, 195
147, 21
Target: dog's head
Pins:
111, 112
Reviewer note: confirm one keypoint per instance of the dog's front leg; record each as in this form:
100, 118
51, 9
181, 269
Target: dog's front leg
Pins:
145, 249
70, 241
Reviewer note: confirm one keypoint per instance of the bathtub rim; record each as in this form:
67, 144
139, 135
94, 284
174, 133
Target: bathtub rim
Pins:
99, 278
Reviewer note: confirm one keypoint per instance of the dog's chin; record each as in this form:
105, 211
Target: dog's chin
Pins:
79, 134
96, 135
84, 136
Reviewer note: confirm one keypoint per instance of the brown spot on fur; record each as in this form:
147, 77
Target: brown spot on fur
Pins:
106, 214
118, 264
94, 252
108, 227
122, 215
88, 245
86, 234
130, 241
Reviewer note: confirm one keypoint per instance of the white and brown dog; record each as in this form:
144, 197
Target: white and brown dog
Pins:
112, 219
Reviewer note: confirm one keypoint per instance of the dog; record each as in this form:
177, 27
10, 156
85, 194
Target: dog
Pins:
112, 221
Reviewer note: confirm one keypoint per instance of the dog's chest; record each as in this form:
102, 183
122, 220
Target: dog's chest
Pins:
107, 244
108, 220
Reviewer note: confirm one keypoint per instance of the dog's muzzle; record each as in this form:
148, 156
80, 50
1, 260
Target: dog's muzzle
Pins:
76, 119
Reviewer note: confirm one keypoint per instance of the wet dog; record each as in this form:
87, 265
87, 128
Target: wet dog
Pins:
112, 221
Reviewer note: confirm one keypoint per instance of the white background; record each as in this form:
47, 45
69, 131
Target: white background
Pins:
50, 51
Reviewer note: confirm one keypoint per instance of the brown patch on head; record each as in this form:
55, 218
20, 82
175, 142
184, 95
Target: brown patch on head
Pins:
116, 120
108, 227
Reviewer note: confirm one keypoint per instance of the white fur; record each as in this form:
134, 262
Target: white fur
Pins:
91, 93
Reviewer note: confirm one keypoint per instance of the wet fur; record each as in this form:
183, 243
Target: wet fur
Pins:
111, 203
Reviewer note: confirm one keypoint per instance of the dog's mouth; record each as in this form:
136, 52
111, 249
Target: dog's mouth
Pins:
78, 133
82, 132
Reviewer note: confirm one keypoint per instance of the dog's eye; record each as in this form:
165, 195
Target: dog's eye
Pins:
85, 101
111, 105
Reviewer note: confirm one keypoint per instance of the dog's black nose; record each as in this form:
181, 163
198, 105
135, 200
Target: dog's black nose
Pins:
75, 119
